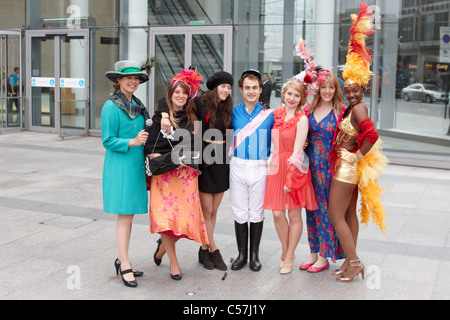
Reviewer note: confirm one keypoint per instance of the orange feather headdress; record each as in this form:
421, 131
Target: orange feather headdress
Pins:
191, 78
359, 57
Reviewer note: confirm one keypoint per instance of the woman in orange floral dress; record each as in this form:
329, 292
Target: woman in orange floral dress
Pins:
175, 209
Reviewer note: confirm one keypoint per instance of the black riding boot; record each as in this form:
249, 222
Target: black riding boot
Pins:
241, 231
255, 239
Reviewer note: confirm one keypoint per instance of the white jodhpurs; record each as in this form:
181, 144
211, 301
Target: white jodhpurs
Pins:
247, 188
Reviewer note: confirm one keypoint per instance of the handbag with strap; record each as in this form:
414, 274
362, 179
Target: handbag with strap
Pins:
164, 162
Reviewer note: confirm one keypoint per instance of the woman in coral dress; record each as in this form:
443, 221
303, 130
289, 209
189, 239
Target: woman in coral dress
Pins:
289, 184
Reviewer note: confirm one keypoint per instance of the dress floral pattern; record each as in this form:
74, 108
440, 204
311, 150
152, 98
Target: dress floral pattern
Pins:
321, 234
175, 205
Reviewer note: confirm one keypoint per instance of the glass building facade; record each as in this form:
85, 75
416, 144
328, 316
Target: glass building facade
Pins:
64, 48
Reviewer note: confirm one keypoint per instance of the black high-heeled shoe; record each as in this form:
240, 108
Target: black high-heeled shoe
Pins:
127, 283
157, 261
135, 273
176, 276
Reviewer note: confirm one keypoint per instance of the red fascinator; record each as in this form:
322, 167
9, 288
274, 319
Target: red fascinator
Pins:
191, 78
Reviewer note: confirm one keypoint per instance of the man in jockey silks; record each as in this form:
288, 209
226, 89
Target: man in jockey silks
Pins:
249, 151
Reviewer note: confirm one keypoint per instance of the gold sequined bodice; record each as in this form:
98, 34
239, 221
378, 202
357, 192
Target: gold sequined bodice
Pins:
346, 130
346, 126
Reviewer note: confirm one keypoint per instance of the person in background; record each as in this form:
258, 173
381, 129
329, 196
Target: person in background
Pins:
124, 184
13, 91
264, 98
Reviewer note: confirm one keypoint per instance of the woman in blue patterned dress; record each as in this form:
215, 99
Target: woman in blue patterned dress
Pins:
323, 113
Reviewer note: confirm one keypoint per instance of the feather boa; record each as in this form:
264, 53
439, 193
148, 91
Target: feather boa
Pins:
369, 169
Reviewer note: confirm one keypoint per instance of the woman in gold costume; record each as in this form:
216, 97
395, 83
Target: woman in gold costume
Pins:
356, 156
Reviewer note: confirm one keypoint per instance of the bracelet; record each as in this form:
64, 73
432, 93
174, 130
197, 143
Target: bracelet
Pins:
164, 117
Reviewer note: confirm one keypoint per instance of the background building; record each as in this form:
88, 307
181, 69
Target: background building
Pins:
64, 48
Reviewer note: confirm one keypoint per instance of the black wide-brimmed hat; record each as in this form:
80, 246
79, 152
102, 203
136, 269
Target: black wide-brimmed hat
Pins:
219, 78
126, 68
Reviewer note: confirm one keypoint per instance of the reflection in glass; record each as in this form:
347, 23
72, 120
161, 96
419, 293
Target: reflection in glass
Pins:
189, 12
170, 54
107, 53
72, 84
10, 99
207, 54
43, 94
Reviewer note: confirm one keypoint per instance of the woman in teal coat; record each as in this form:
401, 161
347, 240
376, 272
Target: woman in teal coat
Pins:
124, 184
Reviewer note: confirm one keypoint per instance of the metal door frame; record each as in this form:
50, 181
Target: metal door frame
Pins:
188, 31
57, 34
22, 99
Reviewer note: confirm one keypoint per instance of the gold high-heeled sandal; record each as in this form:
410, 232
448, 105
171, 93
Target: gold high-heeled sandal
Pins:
355, 264
339, 272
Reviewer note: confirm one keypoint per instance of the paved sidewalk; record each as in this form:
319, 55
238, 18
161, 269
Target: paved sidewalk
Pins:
57, 243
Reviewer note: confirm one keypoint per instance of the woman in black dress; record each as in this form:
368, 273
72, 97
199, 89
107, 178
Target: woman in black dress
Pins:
214, 109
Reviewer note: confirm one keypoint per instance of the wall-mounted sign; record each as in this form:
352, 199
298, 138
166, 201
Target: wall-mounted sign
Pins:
444, 50
43, 82
197, 23
78, 83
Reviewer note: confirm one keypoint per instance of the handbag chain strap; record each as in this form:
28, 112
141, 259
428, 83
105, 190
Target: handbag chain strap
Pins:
154, 146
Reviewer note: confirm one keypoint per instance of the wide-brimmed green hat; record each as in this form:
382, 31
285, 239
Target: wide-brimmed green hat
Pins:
126, 68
